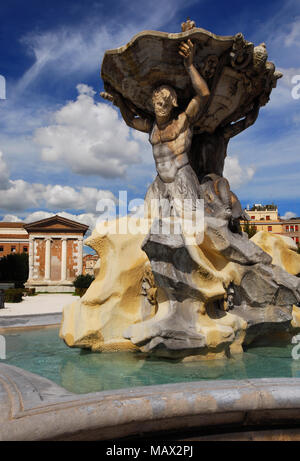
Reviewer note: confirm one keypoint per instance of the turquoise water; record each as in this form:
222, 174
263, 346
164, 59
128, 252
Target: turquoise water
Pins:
79, 371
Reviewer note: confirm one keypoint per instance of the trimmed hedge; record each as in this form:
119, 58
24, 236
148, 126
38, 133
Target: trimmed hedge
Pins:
13, 295
83, 281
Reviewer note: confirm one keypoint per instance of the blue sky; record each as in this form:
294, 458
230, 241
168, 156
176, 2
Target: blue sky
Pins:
62, 147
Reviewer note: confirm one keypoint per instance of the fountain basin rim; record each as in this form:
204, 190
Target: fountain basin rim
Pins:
35, 408
28, 321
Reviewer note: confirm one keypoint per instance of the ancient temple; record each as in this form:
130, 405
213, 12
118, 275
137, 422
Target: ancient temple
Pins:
55, 253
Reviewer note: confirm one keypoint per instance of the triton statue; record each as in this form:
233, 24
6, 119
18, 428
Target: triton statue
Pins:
171, 135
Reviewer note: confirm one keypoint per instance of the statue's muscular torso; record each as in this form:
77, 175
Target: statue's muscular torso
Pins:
170, 146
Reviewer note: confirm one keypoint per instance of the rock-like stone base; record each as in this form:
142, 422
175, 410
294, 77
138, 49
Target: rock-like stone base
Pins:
211, 299
113, 302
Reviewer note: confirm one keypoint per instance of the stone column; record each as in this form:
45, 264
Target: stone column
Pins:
79, 255
63, 259
35, 259
31, 258
47, 258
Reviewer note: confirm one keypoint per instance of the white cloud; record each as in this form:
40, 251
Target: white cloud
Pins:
236, 174
66, 197
89, 138
289, 215
19, 196
22, 195
11, 218
89, 219
37, 216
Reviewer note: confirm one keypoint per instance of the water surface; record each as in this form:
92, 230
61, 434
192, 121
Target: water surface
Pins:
80, 371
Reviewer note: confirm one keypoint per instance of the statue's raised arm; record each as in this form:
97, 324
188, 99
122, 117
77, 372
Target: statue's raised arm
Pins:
196, 105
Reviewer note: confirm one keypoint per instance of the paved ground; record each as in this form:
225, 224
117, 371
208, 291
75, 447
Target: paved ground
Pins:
39, 304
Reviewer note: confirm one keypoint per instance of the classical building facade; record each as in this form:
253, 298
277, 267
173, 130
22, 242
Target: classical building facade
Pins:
55, 249
55, 253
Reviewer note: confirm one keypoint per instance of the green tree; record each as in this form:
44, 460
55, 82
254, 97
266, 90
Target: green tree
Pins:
250, 229
14, 268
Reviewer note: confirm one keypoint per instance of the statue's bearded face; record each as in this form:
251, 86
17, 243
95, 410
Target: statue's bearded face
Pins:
163, 100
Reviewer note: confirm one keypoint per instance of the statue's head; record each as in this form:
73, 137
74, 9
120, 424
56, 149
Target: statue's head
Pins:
164, 98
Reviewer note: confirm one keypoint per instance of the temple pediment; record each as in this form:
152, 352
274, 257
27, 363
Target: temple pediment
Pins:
56, 224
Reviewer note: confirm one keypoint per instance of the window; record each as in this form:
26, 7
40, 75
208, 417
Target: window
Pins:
269, 228
268, 218
25, 249
296, 228
291, 228
252, 217
297, 239
286, 228
13, 249
1, 248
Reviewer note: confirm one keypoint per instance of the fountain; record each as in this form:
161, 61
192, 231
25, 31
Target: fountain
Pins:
187, 284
